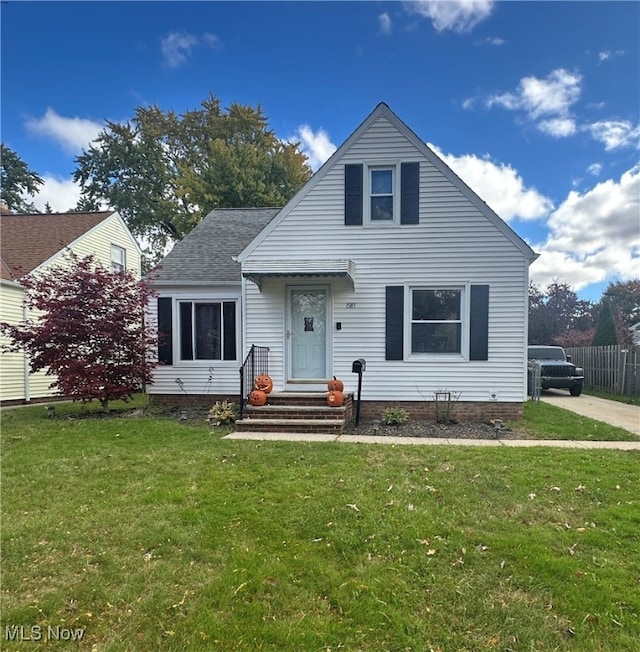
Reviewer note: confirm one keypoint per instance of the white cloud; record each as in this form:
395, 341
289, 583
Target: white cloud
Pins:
491, 40
177, 46
593, 236
385, 23
606, 55
549, 102
454, 15
558, 127
61, 194
72, 134
545, 101
615, 134
595, 169
499, 185
316, 145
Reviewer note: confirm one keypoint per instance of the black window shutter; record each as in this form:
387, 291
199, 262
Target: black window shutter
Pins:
229, 326
479, 323
353, 195
165, 331
186, 331
409, 193
394, 327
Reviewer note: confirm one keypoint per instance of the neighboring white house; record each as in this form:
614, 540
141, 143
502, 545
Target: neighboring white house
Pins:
32, 243
386, 255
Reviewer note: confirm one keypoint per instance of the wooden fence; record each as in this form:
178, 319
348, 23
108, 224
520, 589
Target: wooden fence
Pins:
609, 368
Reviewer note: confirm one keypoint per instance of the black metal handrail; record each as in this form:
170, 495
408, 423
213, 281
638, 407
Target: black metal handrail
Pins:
256, 363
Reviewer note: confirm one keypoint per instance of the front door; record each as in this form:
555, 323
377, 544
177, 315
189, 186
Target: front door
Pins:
307, 333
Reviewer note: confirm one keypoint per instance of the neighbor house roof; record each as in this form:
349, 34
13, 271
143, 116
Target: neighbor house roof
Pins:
28, 240
205, 255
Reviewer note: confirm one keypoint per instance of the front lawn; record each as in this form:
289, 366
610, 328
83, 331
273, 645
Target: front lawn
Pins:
146, 534
545, 421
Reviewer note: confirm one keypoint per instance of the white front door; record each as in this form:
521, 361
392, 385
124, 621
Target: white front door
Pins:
308, 332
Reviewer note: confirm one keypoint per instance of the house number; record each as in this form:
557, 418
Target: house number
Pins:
351, 305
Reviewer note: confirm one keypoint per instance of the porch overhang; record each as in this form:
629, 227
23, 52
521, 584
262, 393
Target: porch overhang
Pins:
257, 271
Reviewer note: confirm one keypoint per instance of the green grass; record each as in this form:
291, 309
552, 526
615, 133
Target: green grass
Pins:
156, 535
545, 421
621, 398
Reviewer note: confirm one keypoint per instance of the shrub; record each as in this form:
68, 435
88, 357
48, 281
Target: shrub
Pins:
445, 404
394, 416
223, 413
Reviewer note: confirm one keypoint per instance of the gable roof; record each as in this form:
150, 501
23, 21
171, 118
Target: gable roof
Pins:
28, 240
382, 110
205, 255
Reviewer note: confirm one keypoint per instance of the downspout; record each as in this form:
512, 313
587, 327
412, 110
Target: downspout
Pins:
25, 361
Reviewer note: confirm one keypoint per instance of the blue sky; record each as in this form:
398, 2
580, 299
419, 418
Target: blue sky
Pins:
535, 105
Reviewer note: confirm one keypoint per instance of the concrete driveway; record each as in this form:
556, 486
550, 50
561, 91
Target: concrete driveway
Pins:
611, 412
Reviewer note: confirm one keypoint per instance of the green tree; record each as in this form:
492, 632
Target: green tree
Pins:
625, 296
17, 182
606, 333
557, 316
163, 171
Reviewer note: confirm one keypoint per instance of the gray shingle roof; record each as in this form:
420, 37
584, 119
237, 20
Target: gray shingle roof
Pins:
205, 254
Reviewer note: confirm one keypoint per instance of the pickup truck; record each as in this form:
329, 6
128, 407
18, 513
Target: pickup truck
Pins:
556, 369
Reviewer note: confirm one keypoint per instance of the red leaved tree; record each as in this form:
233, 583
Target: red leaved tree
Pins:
87, 329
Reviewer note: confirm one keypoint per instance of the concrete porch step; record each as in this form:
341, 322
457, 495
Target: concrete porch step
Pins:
320, 426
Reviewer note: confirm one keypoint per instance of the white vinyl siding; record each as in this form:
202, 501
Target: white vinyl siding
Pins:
11, 364
454, 245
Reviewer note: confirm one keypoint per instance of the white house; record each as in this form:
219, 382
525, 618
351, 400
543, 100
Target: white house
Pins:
384, 255
32, 243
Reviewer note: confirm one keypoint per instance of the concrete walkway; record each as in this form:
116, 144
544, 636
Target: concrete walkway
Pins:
611, 412
614, 413
432, 441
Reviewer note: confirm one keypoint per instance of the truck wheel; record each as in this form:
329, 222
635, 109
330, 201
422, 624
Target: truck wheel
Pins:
576, 390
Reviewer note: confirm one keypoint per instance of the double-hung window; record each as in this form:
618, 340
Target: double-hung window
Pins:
436, 320
207, 330
383, 194
118, 258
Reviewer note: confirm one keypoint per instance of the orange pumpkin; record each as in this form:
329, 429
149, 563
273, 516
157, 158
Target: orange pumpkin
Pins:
263, 383
335, 398
257, 397
335, 385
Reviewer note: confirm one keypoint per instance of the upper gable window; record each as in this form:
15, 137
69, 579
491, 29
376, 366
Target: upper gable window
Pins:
118, 258
382, 194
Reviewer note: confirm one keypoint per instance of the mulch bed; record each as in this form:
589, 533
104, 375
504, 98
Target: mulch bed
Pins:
436, 430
